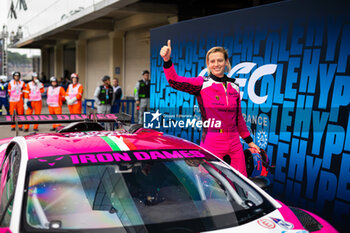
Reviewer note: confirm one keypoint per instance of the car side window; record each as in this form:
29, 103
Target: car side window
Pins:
9, 177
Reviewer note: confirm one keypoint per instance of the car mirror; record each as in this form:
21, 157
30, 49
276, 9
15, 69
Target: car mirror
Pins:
122, 169
261, 181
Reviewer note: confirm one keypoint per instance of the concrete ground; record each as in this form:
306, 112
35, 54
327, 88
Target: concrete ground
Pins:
5, 130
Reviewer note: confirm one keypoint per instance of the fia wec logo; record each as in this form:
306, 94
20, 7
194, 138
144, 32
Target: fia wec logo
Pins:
246, 68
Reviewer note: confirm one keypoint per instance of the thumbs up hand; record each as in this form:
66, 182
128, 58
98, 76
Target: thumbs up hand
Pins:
165, 52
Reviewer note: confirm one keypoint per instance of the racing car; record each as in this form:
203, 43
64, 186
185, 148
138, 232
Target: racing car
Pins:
84, 178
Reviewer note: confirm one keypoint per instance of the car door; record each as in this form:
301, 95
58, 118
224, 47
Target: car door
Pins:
9, 175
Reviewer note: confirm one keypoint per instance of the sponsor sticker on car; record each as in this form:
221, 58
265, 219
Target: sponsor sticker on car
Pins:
115, 157
266, 223
282, 223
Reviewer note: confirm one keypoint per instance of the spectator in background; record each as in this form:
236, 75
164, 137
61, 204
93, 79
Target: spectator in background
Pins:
32, 99
117, 93
55, 96
104, 96
142, 94
68, 81
60, 82
4, 94
43, 77
15, 89
74, 95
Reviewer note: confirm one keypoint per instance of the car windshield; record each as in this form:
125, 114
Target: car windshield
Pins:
183, 195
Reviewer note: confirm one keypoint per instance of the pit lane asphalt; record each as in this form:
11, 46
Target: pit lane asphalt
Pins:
5, 130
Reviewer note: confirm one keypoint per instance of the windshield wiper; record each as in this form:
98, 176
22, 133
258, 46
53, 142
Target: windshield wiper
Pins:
39, 209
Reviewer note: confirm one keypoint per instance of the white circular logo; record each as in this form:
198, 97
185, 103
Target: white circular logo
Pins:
266, 223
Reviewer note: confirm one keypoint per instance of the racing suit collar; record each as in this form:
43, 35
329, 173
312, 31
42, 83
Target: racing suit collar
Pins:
223, 79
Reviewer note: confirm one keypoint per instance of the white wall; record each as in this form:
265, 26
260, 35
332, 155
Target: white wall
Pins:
137, 58
97, 64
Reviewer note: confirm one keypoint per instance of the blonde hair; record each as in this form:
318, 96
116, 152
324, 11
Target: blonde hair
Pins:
221, 50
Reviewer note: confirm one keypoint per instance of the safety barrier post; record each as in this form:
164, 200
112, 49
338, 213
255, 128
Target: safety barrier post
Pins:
92, 101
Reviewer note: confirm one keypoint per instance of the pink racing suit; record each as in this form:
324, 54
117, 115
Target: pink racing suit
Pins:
219, 103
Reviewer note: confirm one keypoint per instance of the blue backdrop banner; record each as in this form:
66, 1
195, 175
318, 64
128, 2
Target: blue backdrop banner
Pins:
291, 60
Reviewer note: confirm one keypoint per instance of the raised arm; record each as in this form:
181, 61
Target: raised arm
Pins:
165, 51
189, 85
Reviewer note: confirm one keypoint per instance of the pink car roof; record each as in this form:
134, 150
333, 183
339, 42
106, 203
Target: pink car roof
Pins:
43, 145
